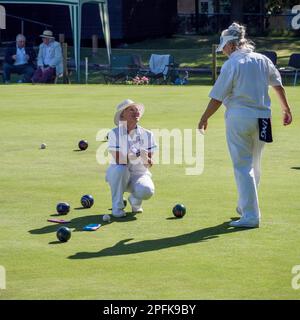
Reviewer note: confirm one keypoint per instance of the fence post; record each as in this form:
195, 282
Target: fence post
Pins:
95, 44
61, 38
214, 63
65, 62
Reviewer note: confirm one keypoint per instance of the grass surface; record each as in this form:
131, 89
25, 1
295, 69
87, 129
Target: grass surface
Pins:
150, 255
193, 51
188, 51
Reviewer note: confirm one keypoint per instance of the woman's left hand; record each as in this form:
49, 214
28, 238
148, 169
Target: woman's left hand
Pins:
147, 158
287, 118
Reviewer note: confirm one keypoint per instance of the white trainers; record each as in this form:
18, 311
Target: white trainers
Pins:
118, 213
135, 204
245, 223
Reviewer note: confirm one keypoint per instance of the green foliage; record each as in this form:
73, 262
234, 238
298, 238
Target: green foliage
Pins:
277, 6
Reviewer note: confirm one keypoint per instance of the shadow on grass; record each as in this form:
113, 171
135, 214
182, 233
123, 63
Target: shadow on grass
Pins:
78, 223
56, 242
123, 247
295, 168
57, 215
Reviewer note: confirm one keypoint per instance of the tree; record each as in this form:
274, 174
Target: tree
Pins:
277, 6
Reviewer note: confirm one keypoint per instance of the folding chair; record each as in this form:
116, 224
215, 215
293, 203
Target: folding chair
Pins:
272, 55
293, 67
141, 68
162, 69
63, 78
122, 68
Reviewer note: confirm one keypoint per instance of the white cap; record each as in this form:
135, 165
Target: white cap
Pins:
223, 41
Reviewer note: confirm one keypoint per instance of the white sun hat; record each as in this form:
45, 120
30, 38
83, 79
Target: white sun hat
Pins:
47, 34
223, 41
124, 105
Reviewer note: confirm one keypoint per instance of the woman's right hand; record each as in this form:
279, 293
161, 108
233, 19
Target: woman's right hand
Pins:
202, 125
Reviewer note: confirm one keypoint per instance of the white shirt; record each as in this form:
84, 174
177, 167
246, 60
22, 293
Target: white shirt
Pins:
20, 56
142, 139
49, 54
243, 84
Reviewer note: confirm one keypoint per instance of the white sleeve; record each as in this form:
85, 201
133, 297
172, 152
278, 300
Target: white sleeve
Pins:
274, 75
152, 147
113, 144
224, 84
149, 142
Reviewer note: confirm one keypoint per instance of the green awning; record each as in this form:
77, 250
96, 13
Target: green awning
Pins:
75, 7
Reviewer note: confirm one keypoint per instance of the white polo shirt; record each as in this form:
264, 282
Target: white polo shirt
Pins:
141, 139
243, 84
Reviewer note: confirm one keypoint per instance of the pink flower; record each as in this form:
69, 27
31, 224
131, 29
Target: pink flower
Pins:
140, 80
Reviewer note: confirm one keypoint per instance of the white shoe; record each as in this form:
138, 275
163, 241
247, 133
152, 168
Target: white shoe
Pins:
245, 223
118, 213
239, 211
135, 204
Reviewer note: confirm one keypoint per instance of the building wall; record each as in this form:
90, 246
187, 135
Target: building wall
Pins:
149, 18
186, 6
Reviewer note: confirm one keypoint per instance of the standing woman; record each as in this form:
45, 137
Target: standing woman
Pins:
242, 87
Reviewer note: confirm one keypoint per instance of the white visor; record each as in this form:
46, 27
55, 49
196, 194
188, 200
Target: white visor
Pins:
223, 41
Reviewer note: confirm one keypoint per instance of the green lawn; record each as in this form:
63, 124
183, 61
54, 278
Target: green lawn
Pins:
150, 255
195, 51
192, 51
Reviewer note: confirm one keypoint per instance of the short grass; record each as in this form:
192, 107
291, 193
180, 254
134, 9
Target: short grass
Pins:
195, 50
188, 50
192, 51
151, 255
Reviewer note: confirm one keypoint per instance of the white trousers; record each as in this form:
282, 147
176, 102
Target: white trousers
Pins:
245, 150
121, 180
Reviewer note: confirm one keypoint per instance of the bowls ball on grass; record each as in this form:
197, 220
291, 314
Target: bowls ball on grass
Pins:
83, 145
179, 210
63, 234
63, 208
87, 201
106, 218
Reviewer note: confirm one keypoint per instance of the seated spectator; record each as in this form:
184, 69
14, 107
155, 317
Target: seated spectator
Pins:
19, 59
50, 59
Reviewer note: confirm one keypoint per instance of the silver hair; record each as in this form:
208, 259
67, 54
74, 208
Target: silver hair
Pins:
20, 37
238, 30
